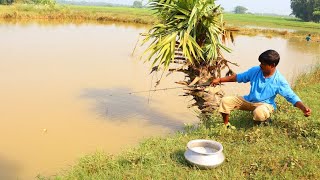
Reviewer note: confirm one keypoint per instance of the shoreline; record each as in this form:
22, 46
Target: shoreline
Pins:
269, 33
245, 24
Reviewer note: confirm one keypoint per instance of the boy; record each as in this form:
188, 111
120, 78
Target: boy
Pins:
266, 82
308, 38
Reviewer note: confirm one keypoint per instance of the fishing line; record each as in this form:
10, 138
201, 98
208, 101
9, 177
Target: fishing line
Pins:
150, 88
169, 88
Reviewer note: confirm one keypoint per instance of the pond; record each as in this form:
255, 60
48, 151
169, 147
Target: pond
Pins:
67, 91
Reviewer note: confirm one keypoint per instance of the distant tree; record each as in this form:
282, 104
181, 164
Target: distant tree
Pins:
307, 10
47, 2
240, 10
316, 14
137, 4
6, 2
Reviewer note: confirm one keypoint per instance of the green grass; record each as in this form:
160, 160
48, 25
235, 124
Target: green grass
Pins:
279, 22
289, 148
70, 12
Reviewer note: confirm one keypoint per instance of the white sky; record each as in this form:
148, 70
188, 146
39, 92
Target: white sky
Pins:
281, 7
258, 6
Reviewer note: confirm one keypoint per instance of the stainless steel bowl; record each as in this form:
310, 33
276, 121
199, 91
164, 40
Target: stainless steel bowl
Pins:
204, 153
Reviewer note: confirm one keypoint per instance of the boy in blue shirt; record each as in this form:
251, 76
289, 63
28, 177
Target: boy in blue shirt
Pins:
266, 82
308, 38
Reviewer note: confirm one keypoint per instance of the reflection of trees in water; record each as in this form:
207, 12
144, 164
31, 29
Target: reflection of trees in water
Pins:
118, 104
8, 170
311, 47
76, 22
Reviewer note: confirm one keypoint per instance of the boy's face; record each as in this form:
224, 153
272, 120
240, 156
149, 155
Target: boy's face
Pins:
266, 68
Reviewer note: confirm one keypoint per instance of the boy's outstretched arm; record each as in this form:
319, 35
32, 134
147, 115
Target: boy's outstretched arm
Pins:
232, 78
306, 111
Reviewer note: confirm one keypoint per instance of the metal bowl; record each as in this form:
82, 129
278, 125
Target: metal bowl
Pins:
205, 154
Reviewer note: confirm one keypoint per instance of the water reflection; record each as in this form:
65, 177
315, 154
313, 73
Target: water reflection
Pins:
269, 28
120, 104
309, 48
8, 168
63, 22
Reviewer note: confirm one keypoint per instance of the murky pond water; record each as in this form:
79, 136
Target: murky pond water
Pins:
65, 92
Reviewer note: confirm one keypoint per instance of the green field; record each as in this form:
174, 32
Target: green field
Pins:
278, 22
75, 13
245, 22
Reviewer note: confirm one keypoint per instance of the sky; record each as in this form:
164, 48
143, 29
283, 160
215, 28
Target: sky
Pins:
281, 7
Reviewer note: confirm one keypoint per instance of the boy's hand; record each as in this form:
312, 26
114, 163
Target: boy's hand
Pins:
215, 82
307, 112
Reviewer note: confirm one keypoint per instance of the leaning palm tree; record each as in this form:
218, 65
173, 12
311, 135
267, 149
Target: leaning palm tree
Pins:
191, 33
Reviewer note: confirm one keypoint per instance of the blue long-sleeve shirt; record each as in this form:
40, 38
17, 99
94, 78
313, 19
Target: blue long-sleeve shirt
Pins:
265, 89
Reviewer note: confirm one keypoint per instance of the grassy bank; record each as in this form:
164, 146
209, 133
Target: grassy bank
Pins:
246, 23
72, 12
287, 149
280, 23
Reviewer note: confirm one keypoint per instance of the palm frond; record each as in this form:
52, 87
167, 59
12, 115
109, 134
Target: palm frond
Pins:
197, 26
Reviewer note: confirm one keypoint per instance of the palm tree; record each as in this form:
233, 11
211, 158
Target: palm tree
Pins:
190, 33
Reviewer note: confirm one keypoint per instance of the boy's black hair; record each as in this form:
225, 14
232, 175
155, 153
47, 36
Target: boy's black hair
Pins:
270, 57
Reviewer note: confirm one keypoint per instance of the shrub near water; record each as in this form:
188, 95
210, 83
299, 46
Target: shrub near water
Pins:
287, 149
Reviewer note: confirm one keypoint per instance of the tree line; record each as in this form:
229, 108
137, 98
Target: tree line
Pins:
307, 10
9, 2
136, 4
